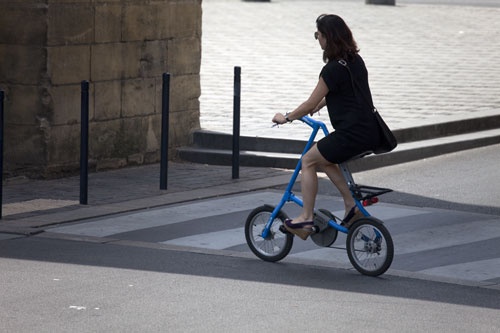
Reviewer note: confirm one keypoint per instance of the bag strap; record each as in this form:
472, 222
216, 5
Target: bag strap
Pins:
354, 85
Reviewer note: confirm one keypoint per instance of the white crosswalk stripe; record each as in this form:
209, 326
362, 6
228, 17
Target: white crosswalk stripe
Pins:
169, 215
213, 240
450, 235
477, 270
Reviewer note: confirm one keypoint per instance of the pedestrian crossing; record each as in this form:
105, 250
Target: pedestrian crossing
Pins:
481, 270
169, 215
446, 236
429, 241
217, 240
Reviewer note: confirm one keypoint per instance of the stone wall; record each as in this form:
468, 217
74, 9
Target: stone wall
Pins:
47, 47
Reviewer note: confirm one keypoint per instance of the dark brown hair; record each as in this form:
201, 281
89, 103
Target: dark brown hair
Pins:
339, 41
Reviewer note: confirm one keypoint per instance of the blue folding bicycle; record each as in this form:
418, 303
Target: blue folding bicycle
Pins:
369, 244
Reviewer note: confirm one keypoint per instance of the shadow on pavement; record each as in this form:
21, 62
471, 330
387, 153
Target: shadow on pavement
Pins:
244, 269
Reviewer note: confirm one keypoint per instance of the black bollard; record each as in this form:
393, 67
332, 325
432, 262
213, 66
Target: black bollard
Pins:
84, 144
236, 122
165, 102
1, 150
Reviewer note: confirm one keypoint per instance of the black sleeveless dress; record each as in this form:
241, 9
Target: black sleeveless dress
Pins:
356, 129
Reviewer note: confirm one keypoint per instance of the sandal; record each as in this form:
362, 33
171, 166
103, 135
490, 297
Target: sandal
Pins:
302, 229
353, 215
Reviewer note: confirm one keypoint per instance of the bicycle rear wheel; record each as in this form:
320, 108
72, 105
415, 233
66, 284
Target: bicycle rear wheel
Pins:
369, 246
277, 244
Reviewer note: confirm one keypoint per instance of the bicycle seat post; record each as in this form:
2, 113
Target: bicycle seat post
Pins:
344, 168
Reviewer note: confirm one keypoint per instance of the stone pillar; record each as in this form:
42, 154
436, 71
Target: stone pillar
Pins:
122, 47
381, 2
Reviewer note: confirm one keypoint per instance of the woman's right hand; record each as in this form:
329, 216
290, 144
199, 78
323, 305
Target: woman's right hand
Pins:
279, 118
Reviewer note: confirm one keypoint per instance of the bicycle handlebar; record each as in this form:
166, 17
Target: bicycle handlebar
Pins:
314, 124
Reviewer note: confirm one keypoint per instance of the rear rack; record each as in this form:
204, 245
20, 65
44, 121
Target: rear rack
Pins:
362, 192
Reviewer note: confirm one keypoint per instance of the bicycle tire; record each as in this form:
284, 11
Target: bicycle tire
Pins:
277, 245
369, 246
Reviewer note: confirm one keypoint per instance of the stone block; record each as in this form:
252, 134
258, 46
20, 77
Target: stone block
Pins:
108, 23
184, 56
138, 97
106, 62
107, 100
153, 133
184, 20
24, 147
141, 21
185, 123
153, 59
103, 138
135, 159
152, 157
63, 145
22, 105
70, 24
132, 137
68, 64
110, 163
129, 60
65, 104
184, 92
22, 64
12, 32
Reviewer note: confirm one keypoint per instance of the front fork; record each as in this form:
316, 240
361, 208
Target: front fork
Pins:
286, 198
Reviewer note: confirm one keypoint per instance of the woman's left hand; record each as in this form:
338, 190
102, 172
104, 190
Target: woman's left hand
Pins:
279, 118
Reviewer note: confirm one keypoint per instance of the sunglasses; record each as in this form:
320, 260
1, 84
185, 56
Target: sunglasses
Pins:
316, 35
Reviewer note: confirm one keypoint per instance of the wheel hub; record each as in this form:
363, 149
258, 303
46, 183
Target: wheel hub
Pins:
270, 235
371, 247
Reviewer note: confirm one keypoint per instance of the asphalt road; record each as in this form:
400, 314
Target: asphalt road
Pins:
51, 285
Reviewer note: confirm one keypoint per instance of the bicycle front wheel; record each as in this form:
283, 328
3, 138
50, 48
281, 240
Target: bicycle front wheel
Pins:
277, 244
370, 247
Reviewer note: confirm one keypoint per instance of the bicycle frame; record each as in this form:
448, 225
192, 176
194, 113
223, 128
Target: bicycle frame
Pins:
290, 197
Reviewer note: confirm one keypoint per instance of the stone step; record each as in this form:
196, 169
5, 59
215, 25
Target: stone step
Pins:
219, 140
268, 157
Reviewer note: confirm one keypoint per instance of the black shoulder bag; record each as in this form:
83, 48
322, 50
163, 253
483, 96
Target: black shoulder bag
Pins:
388, 140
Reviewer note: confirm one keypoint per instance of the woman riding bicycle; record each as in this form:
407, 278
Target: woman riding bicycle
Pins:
356, 129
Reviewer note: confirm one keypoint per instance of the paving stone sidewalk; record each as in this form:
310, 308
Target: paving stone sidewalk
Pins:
25, 198
427, 63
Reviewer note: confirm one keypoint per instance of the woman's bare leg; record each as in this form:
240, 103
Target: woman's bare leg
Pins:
309, 183
333, 172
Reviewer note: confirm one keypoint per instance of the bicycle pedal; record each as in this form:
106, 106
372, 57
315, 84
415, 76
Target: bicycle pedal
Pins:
283, 229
